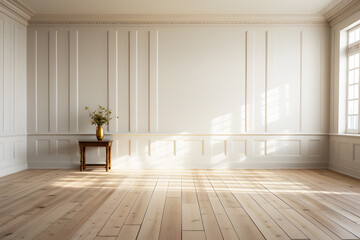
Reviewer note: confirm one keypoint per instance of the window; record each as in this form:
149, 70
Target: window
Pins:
352, 101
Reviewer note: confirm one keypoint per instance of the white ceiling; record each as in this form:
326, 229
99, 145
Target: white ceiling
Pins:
176, 6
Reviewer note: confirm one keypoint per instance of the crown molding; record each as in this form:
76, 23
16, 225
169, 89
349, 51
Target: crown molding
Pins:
16, 10
337, 10
150, 19
179, 134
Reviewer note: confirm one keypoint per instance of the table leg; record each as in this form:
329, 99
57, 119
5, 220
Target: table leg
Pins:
84, 158
110, 158
81, 159
107, 159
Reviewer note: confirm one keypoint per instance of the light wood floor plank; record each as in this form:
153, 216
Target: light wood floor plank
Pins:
191, 217
105, 238
150, 228
266, 225
243, 225
128, 232
321, 222
171, 223
18, 215
290, 229
114, 224
69, 223
91, 228
39, 224
193, 235
138, 211
226, 227
212, 230
179, 204
335, 222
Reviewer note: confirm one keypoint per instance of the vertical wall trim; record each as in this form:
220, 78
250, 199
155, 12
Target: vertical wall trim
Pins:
53, 80
130, 148
13, 81
3, 76
321, 80
116, 80
203, 147
77, 81
36, 147
266, 79
154, 81
57, 147
108, 74
112, 79
301, 80
134, 104
74, 79
149, 90
332, 77
48, 76
69, 84
174, 147
129, 80
246, 79
35, 80
246, 149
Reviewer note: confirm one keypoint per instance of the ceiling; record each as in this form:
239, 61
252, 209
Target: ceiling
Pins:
176, 6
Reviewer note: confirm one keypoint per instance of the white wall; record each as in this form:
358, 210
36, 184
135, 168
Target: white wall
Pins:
344, 148
196, 96
12, 96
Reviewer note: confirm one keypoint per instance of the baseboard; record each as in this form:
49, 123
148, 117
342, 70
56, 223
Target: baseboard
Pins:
344, 170
13, 169
228, 165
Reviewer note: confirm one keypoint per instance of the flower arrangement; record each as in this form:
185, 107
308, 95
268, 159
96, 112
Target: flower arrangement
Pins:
100, 116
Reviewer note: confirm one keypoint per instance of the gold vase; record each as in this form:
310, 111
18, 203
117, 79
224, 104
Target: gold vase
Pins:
99, 133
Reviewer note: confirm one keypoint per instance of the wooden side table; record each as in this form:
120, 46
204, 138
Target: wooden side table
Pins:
93, 143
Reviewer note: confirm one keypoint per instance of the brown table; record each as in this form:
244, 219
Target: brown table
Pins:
93, 143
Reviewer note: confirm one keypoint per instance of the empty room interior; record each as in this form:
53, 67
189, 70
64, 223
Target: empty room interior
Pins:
179, 119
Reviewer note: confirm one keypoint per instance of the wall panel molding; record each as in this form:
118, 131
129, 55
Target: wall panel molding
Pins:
153, 81
226, 94
53, 80
2, 78
171, 151
344, 154
13, 109
113, 78
301, 82
133, 85
74, 80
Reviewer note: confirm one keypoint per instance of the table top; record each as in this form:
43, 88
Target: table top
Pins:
95, 143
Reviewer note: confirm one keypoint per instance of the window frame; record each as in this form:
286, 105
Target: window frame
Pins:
352, 49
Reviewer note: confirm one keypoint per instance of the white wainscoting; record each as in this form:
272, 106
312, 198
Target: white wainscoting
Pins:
187, 96
345, 154
184, 151
13, 154
12, 96
344, 149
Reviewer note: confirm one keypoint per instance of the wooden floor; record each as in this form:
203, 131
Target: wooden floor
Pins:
179, 204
